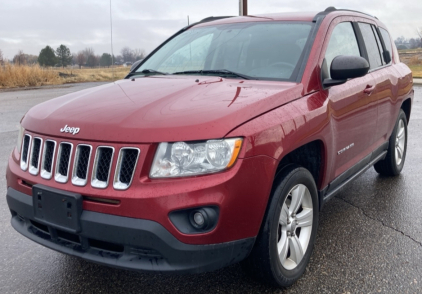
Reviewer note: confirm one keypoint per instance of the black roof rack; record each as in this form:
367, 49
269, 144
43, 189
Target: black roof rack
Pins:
332, 9
212, 18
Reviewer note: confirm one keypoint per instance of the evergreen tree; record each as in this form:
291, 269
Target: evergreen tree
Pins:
105, 60
47, 57
63, 55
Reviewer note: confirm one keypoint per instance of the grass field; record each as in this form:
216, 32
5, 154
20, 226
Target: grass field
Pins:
416, 70
30, 76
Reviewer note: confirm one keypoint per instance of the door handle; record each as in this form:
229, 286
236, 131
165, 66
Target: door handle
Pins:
369, 89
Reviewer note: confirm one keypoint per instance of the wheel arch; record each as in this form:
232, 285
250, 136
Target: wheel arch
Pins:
407, 106
311, 156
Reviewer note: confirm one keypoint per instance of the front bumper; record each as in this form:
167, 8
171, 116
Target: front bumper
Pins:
124, 242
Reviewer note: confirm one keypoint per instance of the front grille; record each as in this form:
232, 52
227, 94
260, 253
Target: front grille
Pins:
48, 157
25, 152
35, 156
63, 161
81, 165
40, 156
126, 163
102, 166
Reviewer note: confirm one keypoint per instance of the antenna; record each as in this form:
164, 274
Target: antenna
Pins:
111, 36
188, 19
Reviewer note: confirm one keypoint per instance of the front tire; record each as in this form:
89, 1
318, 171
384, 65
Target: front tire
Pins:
393, 162
284, 245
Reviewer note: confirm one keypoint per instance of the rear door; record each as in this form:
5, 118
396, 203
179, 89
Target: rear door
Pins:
385, 78
353, 115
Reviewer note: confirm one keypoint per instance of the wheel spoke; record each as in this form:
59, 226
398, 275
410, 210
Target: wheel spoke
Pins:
400, 135
297, 197
399, 152
284, 215
305, 218
296, 251
401, 130
283, 248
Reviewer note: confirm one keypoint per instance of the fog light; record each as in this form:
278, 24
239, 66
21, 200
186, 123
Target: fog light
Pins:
199, 219
195, 220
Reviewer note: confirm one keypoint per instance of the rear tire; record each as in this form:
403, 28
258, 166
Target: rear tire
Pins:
285, 242
393, 162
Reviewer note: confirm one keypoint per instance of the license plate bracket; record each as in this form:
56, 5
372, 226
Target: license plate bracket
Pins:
57, 208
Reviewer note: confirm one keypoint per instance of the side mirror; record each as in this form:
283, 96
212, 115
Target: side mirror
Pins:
344, 67
135, 64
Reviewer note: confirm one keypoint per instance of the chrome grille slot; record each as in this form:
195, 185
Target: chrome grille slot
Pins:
81, 165
102, 166
47, 159
34, 166
125, 168
63, 162
25, 152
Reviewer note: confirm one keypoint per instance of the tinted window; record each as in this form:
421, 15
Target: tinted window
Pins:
371, 45
261, 49
380, 50
342, 42
387, 41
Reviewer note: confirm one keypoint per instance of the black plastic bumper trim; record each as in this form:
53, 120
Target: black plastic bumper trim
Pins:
148, 246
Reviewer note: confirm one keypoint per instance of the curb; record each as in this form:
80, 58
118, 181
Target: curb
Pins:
417, 82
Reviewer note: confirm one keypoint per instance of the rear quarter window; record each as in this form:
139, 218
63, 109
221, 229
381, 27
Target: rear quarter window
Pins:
387, 41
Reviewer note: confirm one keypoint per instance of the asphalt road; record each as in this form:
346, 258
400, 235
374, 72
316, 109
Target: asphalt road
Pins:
369, 238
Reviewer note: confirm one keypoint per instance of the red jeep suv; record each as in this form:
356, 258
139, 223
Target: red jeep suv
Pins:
221, 146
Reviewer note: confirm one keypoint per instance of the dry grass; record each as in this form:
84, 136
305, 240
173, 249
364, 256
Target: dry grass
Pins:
416, 70
92, 74
29, 76
415, 60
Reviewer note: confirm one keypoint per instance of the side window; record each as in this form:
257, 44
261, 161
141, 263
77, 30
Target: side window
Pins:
387, 41
380, 50
342, 42
371, 45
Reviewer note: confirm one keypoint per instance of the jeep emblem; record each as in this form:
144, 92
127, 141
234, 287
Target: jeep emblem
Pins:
67, 129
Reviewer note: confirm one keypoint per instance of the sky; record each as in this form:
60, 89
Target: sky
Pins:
30, 25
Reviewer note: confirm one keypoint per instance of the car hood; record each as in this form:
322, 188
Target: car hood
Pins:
159, 108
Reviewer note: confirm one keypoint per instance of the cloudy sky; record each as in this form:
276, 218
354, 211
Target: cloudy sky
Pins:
30, 25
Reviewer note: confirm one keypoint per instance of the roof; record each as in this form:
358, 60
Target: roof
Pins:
283, 16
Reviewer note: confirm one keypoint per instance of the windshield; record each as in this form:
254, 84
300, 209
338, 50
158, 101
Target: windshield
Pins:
258, 50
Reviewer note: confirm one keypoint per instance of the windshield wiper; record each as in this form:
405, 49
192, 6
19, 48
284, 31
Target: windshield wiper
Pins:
214, 71
148, 71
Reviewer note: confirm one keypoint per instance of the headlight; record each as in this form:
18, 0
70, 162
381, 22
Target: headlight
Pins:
189, 159
20, 137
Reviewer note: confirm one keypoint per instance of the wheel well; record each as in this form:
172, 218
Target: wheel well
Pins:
406, 106
309, 156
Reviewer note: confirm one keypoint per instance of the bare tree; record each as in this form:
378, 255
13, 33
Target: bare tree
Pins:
80, 59
88, 52
127, 54
31, 59
19, 58
419, 32
139, 54
1, 58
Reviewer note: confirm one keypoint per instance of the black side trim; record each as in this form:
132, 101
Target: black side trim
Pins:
355, 171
